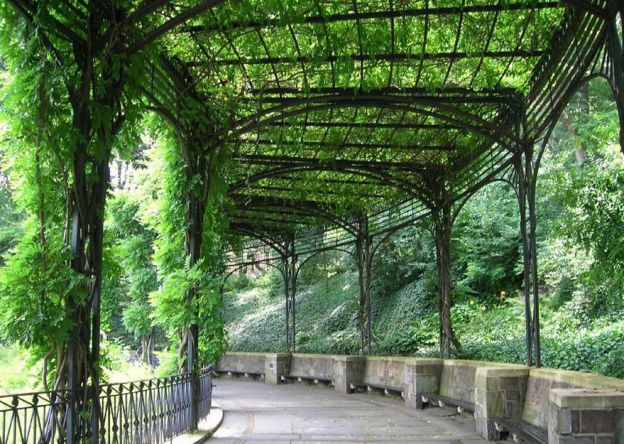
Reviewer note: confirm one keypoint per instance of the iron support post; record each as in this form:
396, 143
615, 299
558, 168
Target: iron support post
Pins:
191, 368
364, 260
521, 192
71, 412
526, 184
531, 191
289, 272
442, 226
193, 247
616, 72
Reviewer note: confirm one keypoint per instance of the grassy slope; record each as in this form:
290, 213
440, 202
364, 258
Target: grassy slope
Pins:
405, 323
326, 315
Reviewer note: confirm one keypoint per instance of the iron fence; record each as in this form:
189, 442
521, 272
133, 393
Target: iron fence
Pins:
205, 391
33, 417
149, 411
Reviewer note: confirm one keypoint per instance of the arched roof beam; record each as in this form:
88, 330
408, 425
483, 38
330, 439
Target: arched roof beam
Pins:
310, 208
286, 170
250, 230
389, 14
475, 124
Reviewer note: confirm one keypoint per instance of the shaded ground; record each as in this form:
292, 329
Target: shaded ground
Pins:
299, 413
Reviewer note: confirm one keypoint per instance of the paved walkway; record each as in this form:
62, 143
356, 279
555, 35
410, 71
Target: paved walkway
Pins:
299, 413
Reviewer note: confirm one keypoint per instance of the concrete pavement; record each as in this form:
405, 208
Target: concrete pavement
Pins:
300, 413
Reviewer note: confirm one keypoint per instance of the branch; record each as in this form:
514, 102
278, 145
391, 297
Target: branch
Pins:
172, 23
22, 8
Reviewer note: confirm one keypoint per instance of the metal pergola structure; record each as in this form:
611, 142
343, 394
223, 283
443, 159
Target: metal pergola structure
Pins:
345, 120
421, 103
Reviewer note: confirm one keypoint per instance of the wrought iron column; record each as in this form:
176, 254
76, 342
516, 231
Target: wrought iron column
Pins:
615, 72
193, 249
72, 352
289, 274
526, 182
71, 418
364, 260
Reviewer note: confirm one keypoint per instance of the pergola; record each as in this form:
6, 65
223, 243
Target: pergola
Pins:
341, 121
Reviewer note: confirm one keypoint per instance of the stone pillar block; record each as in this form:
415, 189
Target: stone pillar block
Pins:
580, 416
422, 376
348, 370
499, 393
276, 366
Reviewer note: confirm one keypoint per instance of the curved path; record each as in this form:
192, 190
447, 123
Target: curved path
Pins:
300, 413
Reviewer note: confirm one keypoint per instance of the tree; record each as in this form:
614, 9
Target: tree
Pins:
133, 246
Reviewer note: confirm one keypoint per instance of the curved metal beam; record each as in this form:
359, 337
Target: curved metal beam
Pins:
283, 171
408, 104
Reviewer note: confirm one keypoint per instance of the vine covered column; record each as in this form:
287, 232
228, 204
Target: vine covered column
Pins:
364, 260
289, 273
442, 226
526, 183
198, 160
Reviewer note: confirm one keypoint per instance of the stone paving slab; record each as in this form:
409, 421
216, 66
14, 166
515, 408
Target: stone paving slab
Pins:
297, 413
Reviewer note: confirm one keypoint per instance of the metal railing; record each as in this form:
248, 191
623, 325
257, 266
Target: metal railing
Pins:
149, 411
205, 391
33, 417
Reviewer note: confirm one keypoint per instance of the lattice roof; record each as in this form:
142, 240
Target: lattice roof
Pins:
350, 106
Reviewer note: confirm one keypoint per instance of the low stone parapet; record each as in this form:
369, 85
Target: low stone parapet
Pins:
579, 416
276, 367
543, 380
385, 373
499, 393
312, 367
458, 379
422, 376
242, 364
348, 372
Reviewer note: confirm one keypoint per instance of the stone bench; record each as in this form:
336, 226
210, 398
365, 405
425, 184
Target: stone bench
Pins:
445, 382
521, 431
382, 374
444, 401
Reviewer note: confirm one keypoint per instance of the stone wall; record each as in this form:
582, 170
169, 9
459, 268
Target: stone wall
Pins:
581, 416
387, 372
499, 393
458, 380
240, 363
319, 367
543, 380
